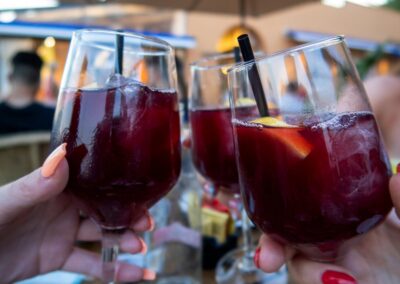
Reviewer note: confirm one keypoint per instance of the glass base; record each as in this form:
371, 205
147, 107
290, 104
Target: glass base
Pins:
234, 268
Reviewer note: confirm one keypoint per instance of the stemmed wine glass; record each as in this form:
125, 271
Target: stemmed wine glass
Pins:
313, 172
117, 112
214, 156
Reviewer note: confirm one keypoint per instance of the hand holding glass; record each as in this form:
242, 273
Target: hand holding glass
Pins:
121, 126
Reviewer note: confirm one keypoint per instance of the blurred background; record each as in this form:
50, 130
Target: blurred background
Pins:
196, 28
200, 27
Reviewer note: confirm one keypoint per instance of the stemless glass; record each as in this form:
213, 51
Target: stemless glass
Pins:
117, 112
314, 173
214, 156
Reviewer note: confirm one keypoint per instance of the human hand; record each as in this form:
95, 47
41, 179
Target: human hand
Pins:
39, 225
370, 260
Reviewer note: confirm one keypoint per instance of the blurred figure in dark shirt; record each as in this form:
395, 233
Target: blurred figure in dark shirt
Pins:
20, 112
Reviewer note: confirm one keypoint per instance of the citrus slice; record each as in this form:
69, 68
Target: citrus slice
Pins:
287, 134
245, 102
272, 122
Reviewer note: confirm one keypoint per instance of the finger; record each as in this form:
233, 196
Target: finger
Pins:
271, 254
35, 188
89, 263
145, 223
127, 272
304, 271
88, 231
394, 187
85, 262
132, 243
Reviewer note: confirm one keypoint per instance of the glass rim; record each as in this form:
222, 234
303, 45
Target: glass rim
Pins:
200, 63
305, 46
164, 46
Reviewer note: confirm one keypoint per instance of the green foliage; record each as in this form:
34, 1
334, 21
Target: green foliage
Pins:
368, 61
393, 4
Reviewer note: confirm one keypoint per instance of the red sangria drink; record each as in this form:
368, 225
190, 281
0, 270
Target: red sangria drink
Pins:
315, 174
123, 149
213, 145
314, 184
213, 152
117, 113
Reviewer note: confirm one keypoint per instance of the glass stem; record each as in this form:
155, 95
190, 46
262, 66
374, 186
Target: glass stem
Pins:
247, 261
109, 254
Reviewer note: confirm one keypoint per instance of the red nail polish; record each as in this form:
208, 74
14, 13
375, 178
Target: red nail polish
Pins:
336, 277
256, 258
398, 168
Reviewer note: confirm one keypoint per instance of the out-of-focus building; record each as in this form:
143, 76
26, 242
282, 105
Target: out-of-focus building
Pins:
365, 26
48, 32
375, 24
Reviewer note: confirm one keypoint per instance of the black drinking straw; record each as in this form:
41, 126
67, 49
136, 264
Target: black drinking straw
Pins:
236, 53
254, 76
118, 61
119, 48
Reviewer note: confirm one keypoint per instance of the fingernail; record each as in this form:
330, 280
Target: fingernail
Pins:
53, 160
151, 221
148, 274
256, 258
398, 168
144, 246
336, 277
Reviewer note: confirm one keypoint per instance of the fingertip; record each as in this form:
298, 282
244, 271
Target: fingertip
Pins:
58, 180
151, 223
145, 223
332, 277
143, 250
271, 255
62, 171
52, 162
129, 273
149, 275
130, 242
307, 271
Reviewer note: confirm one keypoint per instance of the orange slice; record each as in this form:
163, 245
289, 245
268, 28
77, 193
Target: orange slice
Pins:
286, 134
272, 122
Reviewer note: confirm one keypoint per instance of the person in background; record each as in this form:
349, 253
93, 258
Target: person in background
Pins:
20, 112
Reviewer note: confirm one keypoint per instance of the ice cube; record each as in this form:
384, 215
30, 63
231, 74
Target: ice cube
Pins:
339, 121
116, 80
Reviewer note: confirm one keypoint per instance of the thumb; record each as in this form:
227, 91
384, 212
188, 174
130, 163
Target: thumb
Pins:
36, 187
